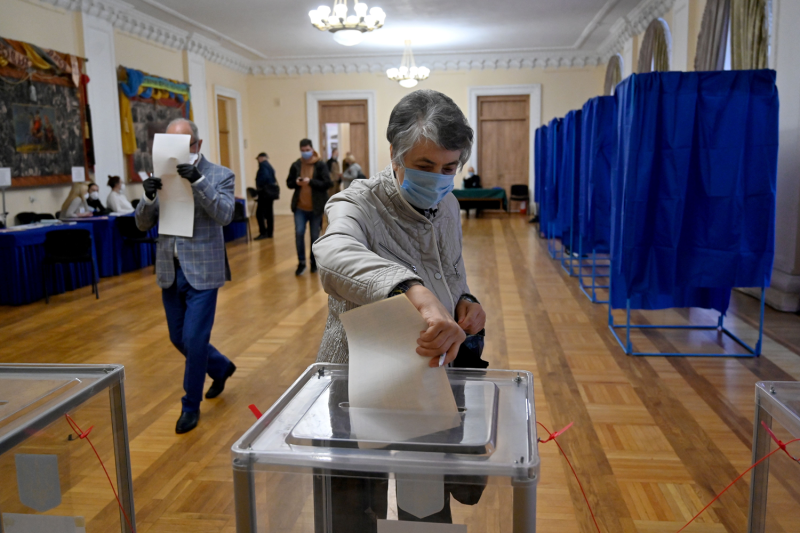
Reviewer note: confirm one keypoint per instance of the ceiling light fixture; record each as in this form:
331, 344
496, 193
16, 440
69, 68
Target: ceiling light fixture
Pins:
347, 29
408, 75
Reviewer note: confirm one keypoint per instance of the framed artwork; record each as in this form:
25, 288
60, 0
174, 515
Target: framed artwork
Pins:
34, 128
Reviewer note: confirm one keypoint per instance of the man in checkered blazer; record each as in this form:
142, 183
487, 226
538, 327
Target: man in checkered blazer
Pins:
190, 270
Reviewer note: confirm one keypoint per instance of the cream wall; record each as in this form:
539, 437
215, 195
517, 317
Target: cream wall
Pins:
278, 105
148, 56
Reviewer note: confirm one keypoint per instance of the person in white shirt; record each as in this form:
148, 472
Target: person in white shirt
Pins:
117, 202
75, 205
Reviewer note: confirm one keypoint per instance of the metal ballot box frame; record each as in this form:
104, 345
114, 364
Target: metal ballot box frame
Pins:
309, 433
34, 399
776, 401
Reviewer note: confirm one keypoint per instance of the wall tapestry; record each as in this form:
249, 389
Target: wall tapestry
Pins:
147, 105
43, 127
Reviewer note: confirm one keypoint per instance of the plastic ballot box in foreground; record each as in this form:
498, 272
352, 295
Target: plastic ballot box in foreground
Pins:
312, 464
777, 407
50, 479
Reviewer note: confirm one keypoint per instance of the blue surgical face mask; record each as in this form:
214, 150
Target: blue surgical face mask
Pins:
425, 190
306, 155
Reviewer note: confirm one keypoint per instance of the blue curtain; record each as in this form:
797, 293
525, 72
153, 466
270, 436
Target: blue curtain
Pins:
553, 160
693, 188
598, 149
570, 175
539, 164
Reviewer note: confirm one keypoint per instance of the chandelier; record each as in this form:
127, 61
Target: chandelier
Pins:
347, 29
408, 75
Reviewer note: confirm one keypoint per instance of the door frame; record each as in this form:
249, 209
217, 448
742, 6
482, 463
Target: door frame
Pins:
534, 92
313, 98
234, 95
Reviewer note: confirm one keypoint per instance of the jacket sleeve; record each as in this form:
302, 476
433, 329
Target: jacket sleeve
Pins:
322, 178
146, 214
348, 269
217, 200
291, 181
261, 177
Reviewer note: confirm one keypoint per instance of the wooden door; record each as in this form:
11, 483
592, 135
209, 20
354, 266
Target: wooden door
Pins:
503, 140
353, 112
224, 133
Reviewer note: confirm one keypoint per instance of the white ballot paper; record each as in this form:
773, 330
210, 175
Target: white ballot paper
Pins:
393, 394
175, 199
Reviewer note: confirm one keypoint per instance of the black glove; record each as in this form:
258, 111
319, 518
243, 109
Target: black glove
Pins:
189, 172
151, 187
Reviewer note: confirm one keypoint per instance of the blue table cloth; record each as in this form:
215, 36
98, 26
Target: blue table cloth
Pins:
693, 203
21, 256
236, 230
598, 150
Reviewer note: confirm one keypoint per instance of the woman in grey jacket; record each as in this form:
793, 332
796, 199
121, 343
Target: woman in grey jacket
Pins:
401, 231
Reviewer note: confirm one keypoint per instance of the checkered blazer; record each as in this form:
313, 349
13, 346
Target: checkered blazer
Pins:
202, 257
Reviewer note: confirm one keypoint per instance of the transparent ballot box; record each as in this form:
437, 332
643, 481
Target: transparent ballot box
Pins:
775, 482
312, 464
50, 478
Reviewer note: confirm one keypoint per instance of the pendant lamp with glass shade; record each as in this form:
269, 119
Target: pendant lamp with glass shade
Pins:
347, 30
408, 75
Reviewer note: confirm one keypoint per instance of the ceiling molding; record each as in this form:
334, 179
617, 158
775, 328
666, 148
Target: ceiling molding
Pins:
634, 23
126, 18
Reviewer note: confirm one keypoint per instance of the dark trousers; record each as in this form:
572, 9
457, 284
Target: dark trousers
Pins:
301, 218
264, 214
190, 317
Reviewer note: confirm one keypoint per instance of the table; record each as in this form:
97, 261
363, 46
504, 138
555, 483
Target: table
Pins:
311, 446
114, 255
35, 437
481, 199
21, 256
236, 230
776, 401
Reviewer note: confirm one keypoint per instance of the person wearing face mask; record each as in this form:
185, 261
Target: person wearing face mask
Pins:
400, 233
116, 201
76, 206
94, 202
310, 179
190, 270
472, 181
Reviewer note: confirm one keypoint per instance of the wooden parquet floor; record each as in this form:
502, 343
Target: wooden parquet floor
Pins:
654, 438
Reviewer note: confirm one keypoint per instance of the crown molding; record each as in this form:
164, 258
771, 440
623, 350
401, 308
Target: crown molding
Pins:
124, 17
634, 23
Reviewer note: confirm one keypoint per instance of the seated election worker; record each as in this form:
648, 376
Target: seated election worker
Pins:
117, 202
75, 205
400, 233
94, 200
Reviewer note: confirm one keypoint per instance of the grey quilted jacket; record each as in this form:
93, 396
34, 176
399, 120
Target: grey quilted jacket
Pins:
376, 240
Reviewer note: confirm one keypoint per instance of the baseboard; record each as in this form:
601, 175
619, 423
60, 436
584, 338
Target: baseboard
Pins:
783, 294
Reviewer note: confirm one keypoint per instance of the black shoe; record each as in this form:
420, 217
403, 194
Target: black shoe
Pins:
261, 238
300, 269
218, 385
187, 422
313, 267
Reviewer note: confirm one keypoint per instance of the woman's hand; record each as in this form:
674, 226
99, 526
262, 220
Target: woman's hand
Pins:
443, 335
471, 316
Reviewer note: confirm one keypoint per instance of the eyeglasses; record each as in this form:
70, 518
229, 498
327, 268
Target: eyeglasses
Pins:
192, 144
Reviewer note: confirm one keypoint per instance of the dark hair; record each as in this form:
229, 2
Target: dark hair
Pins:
90, 185
429, 114
113, 180
306, 142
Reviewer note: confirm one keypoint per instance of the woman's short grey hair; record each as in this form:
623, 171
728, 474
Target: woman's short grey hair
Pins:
432, 115
192, 125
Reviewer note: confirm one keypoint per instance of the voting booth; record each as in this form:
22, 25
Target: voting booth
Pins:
50, 479
774, 482
314, 464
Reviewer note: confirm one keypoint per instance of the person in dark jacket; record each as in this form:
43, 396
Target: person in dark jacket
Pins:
268, 192
310, 179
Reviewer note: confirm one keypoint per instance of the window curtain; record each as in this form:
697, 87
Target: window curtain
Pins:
654, 55
713, 37
613, 74
749, 34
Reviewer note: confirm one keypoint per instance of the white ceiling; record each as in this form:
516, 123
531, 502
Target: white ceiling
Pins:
280, 29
